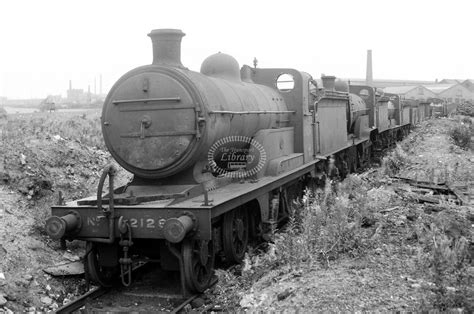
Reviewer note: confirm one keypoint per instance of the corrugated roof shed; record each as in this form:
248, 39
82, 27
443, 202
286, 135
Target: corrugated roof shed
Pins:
400, 90
389, 83
469, 84
439, 88
450, 81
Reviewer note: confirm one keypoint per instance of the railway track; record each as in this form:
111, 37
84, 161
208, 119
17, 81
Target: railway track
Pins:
83, 300
144, 295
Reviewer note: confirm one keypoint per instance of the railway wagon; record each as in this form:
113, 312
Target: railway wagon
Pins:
216, 156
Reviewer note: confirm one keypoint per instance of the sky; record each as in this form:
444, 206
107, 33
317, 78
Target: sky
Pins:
44, 44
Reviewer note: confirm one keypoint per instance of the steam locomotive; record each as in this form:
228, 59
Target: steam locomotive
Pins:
216, 157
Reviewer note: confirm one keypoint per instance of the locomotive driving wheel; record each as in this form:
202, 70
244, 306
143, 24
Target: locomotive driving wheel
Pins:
235, 234
100, 274
198, 262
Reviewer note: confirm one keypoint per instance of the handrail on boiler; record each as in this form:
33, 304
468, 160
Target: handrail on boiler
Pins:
251, 112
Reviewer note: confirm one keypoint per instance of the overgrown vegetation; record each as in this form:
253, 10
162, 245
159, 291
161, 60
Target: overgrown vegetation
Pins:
446, 260
364, 218
461, 134
3, 113
466, 109
329, 223
84, 128
323, 226
395, 161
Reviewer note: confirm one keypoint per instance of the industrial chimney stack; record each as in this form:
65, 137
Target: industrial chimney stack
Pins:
369, 80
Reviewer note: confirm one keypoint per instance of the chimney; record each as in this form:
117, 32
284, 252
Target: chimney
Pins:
369, 80
328, 82
167, 46
70, 84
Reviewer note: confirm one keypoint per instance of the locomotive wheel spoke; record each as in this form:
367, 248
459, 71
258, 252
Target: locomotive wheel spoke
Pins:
235, 234
197, 274
102, 275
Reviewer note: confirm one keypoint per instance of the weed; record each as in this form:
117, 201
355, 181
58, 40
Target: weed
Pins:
461, 135
447, 263
466, 120
395, 161
325, 226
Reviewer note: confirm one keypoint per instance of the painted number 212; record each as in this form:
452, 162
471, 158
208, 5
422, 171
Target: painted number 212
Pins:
142, 223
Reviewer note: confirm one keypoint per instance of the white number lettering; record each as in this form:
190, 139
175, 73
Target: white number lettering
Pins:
150, 223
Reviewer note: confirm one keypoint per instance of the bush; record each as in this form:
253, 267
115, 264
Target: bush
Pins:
3, 113
461, 135
466, 120
395, 161
466, 109
323, 227
447, 262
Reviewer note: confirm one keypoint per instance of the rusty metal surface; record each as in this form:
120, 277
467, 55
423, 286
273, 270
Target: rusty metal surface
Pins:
331, 118
159, 120
147, 220
358, 108
395, 109
382, 114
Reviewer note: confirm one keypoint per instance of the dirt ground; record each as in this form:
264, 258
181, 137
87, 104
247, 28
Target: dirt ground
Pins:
44, 153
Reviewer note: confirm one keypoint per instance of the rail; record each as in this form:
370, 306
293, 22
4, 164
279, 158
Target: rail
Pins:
91, 295
191, 298
97, 292
82, 300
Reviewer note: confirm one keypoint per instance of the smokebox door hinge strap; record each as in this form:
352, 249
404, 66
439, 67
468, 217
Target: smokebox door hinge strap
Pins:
200, 123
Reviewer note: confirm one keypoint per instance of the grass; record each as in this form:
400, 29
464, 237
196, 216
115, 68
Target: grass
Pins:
446, 261
327, 224
364, 219
461, 134
81, 127
324, 226
395, 161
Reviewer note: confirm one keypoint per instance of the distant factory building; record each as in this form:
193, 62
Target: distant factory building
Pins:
77, 96
469, 84
381, 83
418, 92
452, 93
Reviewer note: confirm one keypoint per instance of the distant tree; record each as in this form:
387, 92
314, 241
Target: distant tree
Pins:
3, 113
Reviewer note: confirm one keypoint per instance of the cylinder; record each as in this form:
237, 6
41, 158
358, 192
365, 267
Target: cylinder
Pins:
175, 229
57, 227
167, 46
